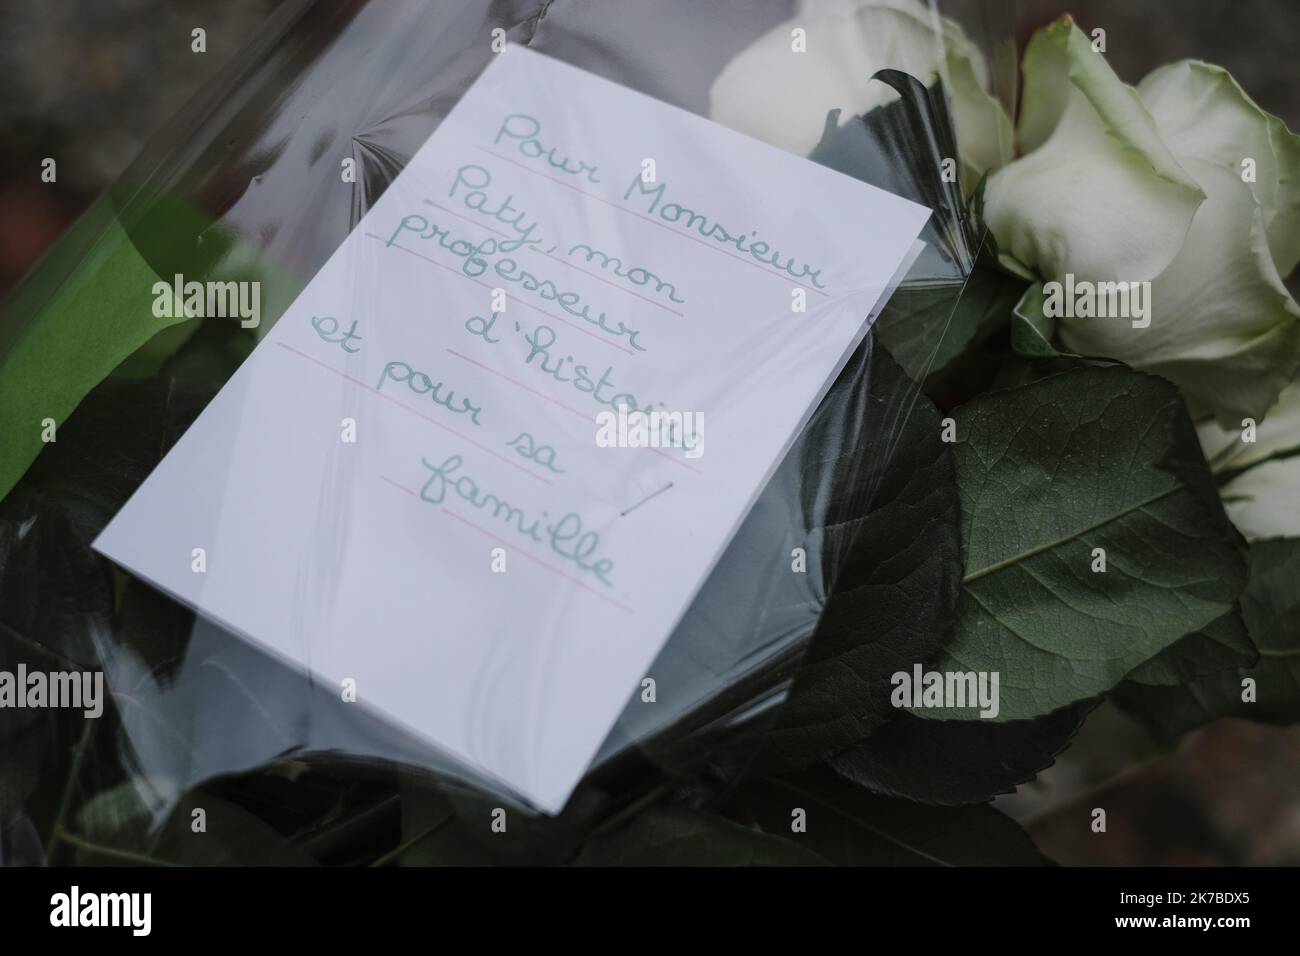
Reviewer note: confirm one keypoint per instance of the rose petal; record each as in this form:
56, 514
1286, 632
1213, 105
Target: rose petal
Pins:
1262, 502
1223, 326
1097, 193
1278, 432
782, 97
983, 128
1200, 111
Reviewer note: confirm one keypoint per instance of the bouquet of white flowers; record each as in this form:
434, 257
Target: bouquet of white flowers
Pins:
1060, 471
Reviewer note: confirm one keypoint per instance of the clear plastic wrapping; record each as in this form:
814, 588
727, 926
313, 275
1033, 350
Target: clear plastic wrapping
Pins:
246, 184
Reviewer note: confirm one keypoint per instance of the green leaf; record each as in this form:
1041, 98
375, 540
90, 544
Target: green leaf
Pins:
76, 318
888, 543
56, 602
876, 487
1270, 607
432, 834
121, 816
105, 451
956, 762
131, 823
680, 836
1092, 458
1032, 330
1223, 645
847, 826
87, 310
947, 304
445, 824
57, 596
233, 836
928, 327
118, 435
24, 758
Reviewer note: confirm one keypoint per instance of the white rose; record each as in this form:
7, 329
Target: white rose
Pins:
1262, 475
776, 94
1155, 183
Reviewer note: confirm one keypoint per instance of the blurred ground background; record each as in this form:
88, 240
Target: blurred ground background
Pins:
88, 81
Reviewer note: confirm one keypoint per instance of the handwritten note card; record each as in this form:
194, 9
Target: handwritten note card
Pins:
439, 476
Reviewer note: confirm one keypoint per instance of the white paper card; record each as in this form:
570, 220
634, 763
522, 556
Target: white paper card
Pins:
405, 485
